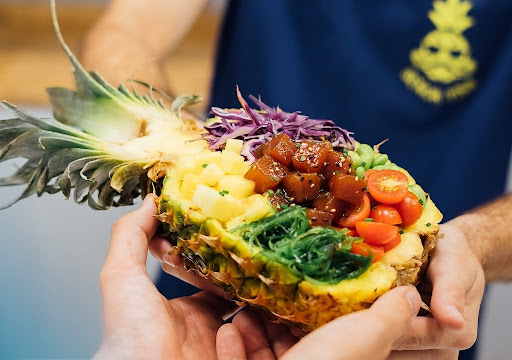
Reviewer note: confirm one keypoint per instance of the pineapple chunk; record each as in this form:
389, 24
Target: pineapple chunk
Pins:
213, 204
189, 184
186, 164
232, 163
207, 157
204, 194
234, 145
238, 186
211, 174
256, 207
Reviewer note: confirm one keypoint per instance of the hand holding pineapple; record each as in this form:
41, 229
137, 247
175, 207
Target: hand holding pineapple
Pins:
140, 323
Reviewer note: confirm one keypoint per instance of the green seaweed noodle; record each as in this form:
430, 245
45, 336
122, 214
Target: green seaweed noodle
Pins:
319, 253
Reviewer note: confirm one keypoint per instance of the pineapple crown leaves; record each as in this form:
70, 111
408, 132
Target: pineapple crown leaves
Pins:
85, 148
72, 159
451, 15
113, 114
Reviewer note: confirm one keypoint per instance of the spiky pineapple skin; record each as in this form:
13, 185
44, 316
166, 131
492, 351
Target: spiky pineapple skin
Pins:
254, 278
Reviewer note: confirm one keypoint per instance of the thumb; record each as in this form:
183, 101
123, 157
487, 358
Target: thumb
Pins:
367, 334
130, 236
451, 278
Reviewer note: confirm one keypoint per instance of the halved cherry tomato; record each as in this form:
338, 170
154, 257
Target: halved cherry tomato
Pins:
358, 214
386, 214
375, 233
377, 251
363, 249
368, 172
410, 209
387, 186
352, 233
393, 243
360, 248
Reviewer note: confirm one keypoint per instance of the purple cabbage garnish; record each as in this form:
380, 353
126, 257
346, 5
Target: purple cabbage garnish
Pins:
256, 127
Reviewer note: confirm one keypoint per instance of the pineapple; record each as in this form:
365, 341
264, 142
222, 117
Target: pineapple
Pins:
111, 145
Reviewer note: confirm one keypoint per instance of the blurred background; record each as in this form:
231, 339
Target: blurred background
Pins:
52, 249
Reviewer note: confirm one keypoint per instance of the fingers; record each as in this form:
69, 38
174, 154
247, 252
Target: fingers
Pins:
220, 306
130, 236
229, 344
451, 278
366, 334
279, 335
253, 333
129, 297
426, 333
458, 284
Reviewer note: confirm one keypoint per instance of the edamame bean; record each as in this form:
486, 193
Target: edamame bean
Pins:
356, 159
380, 160
418, 191
360, 172
366, 152
390, 166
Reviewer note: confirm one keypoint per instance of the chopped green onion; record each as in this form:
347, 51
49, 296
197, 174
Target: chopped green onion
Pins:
204, 165
223, 192
428, 224
284, 206
271, 192
368, 220
401, 232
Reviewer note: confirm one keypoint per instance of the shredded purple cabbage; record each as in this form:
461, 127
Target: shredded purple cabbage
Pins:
256, 127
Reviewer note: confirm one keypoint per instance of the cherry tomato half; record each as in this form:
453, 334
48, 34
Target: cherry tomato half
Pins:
375, 233
378, 252
358, 214
386, 214
410, 209
363, 249
393, 243
387, 186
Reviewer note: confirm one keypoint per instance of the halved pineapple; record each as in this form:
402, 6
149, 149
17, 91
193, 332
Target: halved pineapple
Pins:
128, 143
204, 230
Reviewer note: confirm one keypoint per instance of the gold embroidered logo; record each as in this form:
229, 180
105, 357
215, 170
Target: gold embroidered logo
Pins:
441, 67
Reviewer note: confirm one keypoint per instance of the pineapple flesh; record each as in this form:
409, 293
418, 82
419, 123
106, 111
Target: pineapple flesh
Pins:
108, 146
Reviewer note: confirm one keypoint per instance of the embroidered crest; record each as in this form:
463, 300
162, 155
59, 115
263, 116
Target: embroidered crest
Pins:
441, 67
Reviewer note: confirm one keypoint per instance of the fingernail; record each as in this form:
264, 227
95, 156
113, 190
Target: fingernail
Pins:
453, 311
166, 258
414, 300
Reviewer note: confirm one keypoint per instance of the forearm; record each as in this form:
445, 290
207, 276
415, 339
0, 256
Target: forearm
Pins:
489, 233
134, 37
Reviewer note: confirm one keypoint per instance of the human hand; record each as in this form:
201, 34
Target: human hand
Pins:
456, 282
138, 321
366, 334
